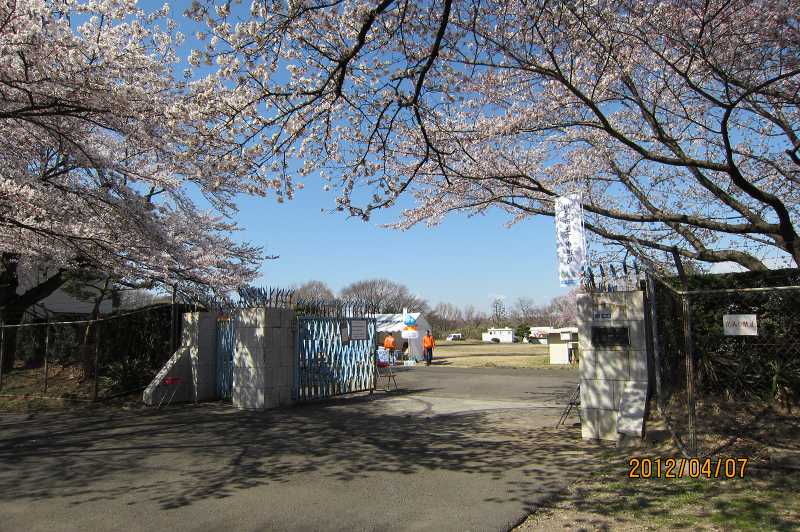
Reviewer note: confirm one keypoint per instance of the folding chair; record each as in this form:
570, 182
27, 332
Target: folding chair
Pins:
385, 372
174, 383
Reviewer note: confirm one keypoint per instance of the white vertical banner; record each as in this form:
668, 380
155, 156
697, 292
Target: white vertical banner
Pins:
570, 243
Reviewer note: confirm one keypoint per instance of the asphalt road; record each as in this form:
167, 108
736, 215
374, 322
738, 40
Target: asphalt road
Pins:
454, 449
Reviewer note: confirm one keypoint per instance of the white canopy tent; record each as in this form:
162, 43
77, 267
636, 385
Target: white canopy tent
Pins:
393, 323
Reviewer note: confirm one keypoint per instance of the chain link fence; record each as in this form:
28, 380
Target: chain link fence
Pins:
87, 360
727, 355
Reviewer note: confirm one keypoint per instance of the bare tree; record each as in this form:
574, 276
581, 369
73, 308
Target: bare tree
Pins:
385, 295
445, 316
449, 312
525, 309
498, 311
313, 290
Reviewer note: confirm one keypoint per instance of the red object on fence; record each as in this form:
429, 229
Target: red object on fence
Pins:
171, 380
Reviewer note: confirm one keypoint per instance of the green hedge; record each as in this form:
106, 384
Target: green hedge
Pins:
763, 367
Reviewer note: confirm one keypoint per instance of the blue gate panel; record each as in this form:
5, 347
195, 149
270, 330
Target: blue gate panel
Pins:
226, 337
328, 364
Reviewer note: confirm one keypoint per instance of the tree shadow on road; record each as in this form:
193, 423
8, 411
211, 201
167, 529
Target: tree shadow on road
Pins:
185, 454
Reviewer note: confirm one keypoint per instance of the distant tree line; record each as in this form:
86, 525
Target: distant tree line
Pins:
389, 296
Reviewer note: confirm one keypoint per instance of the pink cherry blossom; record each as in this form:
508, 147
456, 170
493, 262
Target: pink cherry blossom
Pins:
676, 121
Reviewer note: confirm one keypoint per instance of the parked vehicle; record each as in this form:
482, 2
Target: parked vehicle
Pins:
455, 336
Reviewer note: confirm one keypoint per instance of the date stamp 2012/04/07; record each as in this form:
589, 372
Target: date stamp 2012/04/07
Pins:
710, 468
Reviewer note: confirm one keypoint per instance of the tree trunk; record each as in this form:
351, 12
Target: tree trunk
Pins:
88, 346
10, 316
14, 305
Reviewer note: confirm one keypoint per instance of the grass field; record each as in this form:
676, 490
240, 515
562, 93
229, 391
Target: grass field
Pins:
474, 354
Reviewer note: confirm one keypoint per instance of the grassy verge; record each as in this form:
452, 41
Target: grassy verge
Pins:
763, 500
766, 498
466, 349
491, 355
494, 361
23, 390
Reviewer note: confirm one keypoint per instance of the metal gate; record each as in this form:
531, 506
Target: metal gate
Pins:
335, 356
226, 334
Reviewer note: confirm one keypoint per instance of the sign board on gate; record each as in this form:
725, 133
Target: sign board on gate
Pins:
740, 324
409, 334
343, 333
358, 330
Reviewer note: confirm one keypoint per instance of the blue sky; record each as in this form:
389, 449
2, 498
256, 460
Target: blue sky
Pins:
465, 260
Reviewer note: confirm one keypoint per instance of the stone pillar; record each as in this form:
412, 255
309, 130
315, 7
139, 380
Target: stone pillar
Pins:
248, 359
613, 364
279, 356
263, 361
204, 357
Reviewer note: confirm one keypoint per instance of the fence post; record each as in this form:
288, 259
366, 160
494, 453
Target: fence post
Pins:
172, 346
689, 348
651, 289
96, 355
46, 349
375, 358
2, 348
689, 351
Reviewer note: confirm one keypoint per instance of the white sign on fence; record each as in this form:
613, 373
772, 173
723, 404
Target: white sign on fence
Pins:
570, 243
358, 330
740, 324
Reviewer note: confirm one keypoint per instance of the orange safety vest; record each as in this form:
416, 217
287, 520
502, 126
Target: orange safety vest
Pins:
388, 342
427, 342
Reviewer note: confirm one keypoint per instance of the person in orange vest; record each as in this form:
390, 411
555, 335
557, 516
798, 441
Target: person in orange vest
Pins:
388, 342
427, 348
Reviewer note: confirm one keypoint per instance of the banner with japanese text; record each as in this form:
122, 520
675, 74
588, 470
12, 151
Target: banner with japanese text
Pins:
570, 242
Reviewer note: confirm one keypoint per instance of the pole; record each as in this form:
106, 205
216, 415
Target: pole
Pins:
46, 350
2, 347
96, 355
687, 332
688, 351
651, 289
172, 347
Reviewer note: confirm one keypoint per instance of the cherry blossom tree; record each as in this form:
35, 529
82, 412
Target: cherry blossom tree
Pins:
100, 153
676, 121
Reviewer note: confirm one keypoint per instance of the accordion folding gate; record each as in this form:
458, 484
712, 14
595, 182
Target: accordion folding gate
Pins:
335, 356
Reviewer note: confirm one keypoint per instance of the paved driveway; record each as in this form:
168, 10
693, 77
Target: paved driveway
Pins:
455, 449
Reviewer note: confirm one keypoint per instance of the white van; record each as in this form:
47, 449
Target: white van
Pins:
455, 336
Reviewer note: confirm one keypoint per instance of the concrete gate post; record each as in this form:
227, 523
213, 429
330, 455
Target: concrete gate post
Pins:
263, 361
613, 364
